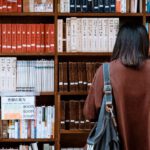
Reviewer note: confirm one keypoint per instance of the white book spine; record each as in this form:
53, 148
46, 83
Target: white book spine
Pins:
73, 35
68, 30
60, 35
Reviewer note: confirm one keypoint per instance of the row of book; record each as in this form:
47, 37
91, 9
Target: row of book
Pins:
26, 38
76, 76
38, 5
22, 75
87, 34
72, 115
32, 146
11, 6
101, 6
41, 127
28, 6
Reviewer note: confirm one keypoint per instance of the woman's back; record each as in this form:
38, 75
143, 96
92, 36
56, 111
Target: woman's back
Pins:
131, 88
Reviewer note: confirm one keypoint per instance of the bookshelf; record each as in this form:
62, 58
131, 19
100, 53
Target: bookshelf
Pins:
76, 138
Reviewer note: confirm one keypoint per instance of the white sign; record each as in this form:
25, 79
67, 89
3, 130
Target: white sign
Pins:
17, 107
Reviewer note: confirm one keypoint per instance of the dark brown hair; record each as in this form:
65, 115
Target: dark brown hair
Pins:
132, 45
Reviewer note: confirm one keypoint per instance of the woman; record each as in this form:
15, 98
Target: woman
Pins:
130, 80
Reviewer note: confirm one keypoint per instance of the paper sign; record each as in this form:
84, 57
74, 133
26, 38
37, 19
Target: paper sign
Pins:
17, 108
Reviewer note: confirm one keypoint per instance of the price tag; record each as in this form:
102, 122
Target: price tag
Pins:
17, 107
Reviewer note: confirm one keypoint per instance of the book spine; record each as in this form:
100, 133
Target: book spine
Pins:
95, 6
1, 5
19, 38
101, 5
24, 38
84, 5
29, 38
107, 6
72, 5
33, 38
14, 38
4, 37
89, 5
19, 6
78, 6
52, 38
112, 5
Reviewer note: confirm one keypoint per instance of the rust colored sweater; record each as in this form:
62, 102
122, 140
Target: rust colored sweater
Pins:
131, 90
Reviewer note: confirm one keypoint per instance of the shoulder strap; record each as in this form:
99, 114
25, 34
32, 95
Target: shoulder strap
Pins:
107, 85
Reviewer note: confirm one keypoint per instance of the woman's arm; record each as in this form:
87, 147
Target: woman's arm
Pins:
94, 98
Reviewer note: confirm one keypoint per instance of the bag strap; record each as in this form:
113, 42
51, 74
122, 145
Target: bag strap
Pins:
107, 86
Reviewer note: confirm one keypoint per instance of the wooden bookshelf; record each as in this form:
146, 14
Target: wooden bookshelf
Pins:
26, 140
101, 14
63, 138
23, 14
85, 54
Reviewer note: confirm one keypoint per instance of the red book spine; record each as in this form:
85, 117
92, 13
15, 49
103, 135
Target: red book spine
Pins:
4, 8
0, 38
19, 38
47, 38
19, 6
52, 46
4, 38
38, 38
24, 38
9, 6
14, 37
29, 38
33, 38
42, 38
14, 6
9, 33
1, 5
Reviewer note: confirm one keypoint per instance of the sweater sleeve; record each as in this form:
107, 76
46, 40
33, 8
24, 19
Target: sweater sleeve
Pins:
94, 98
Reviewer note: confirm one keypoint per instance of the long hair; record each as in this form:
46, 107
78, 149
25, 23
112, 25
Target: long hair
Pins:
132, 45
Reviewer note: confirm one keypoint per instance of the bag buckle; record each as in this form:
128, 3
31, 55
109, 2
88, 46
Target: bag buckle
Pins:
109, 108
107, 89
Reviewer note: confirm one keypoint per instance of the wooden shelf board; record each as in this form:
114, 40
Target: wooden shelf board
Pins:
27, 140
102, 14
27, 14
85, 54
74, 131
47, 93
147, 14
26, 54
73, 93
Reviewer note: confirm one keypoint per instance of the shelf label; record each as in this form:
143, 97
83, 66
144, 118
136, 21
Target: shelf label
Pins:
17, 107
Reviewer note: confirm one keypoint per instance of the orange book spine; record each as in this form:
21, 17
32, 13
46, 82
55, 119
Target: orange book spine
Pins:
1, 5
47, 38
0, 38
19, 6
118, 5
9, 6
4, 38
29, 38
14, 6
24, 38
9, 34
33, 38
14, 37
42, 31
4, 7
52, 38
38, 38
19, 38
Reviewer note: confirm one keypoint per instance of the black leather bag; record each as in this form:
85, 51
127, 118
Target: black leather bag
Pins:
104, 135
